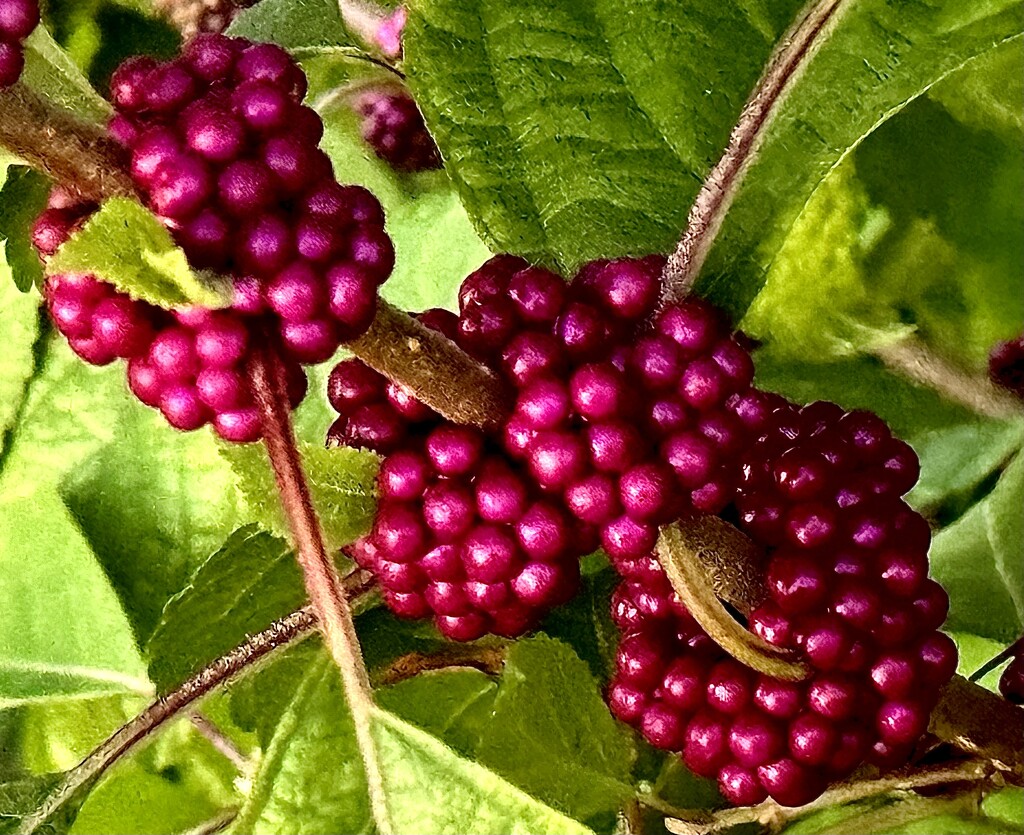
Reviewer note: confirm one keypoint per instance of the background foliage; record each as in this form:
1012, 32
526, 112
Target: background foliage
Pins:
885, 201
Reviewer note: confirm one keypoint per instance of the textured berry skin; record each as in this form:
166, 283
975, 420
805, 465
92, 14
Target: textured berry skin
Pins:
850, 591
224, 152
1006, 365
17, 20
393, 126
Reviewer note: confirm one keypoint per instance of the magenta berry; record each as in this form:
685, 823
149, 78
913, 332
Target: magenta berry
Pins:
17, 20
393, 127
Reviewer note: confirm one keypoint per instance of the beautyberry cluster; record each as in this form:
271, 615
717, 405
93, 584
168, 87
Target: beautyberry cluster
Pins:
847, 587
226, 155
393, 126
1011, 682
17, 20
611, 436
461, 534
1006, 365
188, 363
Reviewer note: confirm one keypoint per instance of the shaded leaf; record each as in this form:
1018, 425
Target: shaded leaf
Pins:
22, 198
292, 24
153, 504
978, 560
250, 581
124, 243
20, 315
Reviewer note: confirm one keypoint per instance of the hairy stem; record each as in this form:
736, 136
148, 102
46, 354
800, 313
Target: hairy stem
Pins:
772, 815
72, 152
722, 184
323, 584
444, 377
486, 659
679, 548
913, 359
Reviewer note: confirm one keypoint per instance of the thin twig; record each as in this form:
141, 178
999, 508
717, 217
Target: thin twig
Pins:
719, 190
770, 813
323, 584
911, 358
679, 547
486, 659
72, 152
219, 740
352, 53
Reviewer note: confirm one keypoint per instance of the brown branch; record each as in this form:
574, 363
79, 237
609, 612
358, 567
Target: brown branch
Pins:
219, 740
719, 190
771, 814
323, 584
979, 722
72, 152
443, 376
486, 659
680, 549
912, 359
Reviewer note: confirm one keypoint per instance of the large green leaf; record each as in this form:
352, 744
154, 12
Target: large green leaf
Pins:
63, 632
125, 244
153, 504
580, 128
311, 778
249, 582
340, 481
551, 733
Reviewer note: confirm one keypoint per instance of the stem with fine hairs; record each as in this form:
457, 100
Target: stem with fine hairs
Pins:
720, 188
323, 584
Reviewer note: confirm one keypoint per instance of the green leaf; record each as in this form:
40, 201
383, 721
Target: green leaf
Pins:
430, 789
311, 778
340, 481
22, 198
455, 705
20, 315
50, 72
175, 784
63, 631
561, 130
125, 244
19, 797
567, 142
958, 461
974, 652
252, 580
551, 733
988, 96
978, 560
877, 58
153, 504
293, 24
